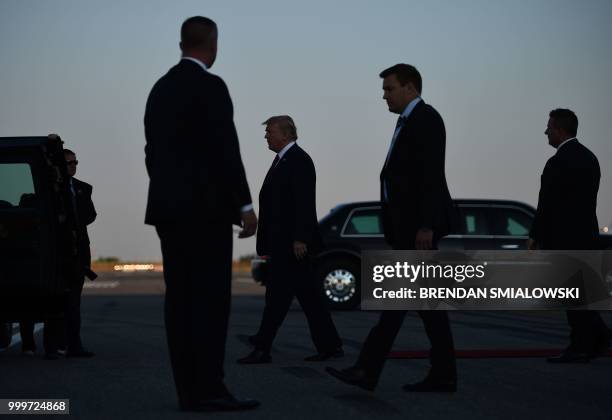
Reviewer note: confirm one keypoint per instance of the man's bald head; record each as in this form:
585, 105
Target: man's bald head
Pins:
199, 39
198, 32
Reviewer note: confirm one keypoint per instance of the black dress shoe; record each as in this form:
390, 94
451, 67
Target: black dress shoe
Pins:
320, 357
354, 376
255, 357
82, 353
570, 356
227, 403
432, 384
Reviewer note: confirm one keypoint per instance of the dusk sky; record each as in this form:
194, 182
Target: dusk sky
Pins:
493, 69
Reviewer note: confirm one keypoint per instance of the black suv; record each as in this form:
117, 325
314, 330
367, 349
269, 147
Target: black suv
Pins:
353, 227
38, 253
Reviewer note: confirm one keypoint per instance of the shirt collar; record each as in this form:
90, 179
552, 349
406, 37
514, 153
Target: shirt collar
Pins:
195, 60
410, 107
284, 150
565, 141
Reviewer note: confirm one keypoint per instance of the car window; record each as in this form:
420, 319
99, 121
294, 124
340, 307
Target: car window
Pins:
364, 222
510, 221
474, 221
16, 186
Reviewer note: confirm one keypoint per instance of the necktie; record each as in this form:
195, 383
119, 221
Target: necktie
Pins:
274, 162
400, 122
398, 127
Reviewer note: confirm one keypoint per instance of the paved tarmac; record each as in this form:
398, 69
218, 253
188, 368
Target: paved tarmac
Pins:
130, 376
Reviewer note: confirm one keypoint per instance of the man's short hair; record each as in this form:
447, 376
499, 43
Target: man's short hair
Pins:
197, 32
405, 73
69, 152
285, 123
565, 120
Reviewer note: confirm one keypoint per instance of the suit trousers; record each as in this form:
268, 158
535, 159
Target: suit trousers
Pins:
380, 340
197, 261
73, 317
51, 332
588, 331
62, 333
289, 278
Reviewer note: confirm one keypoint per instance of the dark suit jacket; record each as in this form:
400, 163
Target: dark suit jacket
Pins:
287, 206
192, 153
566, 217
86, 214
417, 192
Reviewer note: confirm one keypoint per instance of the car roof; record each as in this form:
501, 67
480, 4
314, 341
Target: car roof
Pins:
476, 201
6, 142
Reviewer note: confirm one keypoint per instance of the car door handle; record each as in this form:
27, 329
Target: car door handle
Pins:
510, 246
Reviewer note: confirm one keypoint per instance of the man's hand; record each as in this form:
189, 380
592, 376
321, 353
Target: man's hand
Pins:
300, 249
249, 224
424, 239
532, 244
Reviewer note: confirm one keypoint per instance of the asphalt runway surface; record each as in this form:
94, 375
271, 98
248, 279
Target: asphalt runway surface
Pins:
130, 375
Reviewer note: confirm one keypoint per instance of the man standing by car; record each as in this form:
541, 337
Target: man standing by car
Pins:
85, 214
288, 233
416, 213
58, 336
197, 190
566, 218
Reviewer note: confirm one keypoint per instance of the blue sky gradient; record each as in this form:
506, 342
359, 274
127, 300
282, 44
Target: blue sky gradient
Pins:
494, 69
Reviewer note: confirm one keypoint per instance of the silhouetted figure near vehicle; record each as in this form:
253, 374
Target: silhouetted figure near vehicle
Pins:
416, 213
566, 218
197, 189
288, 233
58, 335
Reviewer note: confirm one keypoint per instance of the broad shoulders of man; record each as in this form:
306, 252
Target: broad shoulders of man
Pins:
82, 187
188, 71
573, 163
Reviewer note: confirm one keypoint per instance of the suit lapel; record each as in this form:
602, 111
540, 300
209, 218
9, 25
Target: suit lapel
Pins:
280, 165
400, 139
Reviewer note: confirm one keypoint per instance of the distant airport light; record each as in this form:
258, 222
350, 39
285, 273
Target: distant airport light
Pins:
134, 267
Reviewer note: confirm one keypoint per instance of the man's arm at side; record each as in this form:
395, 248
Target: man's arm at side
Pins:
233, 169
433, 177
303, 185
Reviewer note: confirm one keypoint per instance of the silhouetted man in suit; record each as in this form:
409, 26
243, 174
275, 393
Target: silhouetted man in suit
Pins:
416, 213
67, 335
85, 215
197, 190
566, 218
288, 233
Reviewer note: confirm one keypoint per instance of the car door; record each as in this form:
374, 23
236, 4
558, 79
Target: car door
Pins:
475, 228
510, 226
363, 227
31, 286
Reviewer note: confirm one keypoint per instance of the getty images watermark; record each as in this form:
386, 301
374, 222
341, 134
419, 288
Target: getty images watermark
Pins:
486, 280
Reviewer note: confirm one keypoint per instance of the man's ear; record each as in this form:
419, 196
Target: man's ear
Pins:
412, 88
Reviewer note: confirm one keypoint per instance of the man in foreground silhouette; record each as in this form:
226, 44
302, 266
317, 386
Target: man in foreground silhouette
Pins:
197, 190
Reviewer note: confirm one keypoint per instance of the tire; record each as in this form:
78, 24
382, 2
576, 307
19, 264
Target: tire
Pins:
6, 334
341, 279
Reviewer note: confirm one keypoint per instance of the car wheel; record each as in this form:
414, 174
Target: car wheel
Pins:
341, 282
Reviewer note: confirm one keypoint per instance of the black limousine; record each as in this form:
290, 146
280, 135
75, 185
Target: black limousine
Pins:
353, 227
